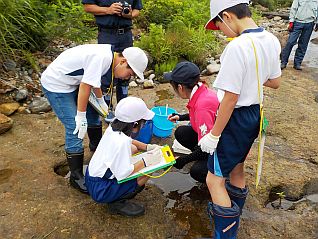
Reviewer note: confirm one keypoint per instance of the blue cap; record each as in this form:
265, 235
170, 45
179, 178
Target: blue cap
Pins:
184, 73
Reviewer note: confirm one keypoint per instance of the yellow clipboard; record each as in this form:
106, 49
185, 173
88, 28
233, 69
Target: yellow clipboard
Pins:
167, 161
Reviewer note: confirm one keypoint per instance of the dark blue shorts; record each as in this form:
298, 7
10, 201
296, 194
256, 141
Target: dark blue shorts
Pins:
105, 190
236, 141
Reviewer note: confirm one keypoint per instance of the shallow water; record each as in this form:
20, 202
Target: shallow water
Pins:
184, 194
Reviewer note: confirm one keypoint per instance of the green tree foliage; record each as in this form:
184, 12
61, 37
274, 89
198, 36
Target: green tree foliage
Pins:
67, 19
29, 25
162, 12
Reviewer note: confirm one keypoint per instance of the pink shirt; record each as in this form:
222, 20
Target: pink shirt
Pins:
202, 107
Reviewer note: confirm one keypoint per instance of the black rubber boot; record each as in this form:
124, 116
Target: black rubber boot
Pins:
75, 163
95, 134
126, 208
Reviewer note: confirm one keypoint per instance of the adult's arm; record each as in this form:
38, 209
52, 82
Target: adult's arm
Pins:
115, 8
293, 10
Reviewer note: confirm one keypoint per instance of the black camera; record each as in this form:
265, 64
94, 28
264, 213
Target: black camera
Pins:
126, 7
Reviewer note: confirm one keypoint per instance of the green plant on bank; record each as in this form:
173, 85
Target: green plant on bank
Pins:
281, 196
67, 19
29, 25
158, 12
177, 42
21, 27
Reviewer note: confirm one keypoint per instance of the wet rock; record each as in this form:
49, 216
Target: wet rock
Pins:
39, 105
148, 73
149, 84
27, 78
44, 62
204, 72
21, 95
133, 84
9, 108
140, 81
24, 110
277, 18
9, 65
6, 87
213, 68
217, 56
5, 123
152, 77
315, 40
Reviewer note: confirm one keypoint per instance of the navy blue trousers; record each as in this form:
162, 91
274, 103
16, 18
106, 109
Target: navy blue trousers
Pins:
120, 42
301, 32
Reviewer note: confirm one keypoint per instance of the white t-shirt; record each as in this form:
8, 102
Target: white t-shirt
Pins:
114, 153
84, 63
238, 66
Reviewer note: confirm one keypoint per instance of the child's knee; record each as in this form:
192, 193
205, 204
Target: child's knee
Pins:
213, 181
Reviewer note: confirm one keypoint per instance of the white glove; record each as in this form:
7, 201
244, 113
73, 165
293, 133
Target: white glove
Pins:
208, 143
103, 104
152, 158
152, 147
81, 124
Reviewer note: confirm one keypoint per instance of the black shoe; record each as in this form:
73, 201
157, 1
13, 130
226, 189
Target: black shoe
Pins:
283, 66
75, 163
298, 68
126, 208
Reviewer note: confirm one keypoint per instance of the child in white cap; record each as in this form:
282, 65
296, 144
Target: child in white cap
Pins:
248, 62
111, 161
67, 83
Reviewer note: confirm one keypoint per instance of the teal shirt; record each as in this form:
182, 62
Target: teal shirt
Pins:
304, 11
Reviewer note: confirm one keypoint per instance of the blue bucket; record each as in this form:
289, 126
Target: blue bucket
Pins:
162, 127
145, 133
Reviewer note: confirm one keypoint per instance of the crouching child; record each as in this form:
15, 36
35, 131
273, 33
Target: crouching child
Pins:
111, 161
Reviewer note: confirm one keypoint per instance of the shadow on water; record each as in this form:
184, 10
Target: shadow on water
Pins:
185, 196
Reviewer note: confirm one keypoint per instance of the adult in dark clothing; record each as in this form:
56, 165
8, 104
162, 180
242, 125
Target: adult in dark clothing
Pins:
114, 27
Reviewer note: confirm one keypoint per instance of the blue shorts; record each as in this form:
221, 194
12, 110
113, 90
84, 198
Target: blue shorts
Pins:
236, 140
105, 190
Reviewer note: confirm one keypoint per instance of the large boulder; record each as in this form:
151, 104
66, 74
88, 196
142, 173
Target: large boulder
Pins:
39, 105
9, 108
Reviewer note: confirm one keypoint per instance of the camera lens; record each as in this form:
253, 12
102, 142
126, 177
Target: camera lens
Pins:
126, 10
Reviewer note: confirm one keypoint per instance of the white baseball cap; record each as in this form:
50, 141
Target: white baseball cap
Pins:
217, 6
131, 109
137, 60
